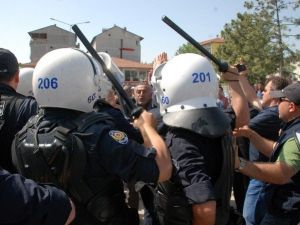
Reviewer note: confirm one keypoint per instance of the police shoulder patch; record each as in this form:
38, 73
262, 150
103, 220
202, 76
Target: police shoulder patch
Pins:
119, 136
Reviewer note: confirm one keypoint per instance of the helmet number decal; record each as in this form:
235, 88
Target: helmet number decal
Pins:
165, 100
201, 77
46, 83
91, 98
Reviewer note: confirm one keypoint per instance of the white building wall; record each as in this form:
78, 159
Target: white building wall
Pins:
56, 38
112, 40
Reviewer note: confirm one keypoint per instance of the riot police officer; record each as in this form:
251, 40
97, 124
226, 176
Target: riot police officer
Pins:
83, 151
25, 84
199, 140
15, 109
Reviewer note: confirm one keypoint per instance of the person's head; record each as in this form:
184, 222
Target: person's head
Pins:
142, 94
289, 106
9, 68
67, 78
25, 83
273, 84
187, 91
258, 87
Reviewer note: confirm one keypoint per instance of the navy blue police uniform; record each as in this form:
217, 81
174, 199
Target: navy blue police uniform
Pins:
111, 158
24, 202
15, 110
201, 151
197, 168
121, 122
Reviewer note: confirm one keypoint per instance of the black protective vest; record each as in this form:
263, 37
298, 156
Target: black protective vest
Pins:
59, 153
9, 106
172, 207
285, 199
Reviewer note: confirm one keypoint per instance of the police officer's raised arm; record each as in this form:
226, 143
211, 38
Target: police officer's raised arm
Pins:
238, 99
146, 124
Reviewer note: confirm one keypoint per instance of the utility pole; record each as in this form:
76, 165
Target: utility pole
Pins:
280, 43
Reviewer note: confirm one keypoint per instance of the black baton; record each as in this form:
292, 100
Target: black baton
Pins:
223, 66
135, 111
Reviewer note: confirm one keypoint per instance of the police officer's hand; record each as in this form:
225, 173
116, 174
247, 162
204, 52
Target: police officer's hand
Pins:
244, 73
231, 74
243, 131
146, 118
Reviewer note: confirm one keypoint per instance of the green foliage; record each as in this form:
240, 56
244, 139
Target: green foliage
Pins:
187, 48
257, 37
281, 28
250, 38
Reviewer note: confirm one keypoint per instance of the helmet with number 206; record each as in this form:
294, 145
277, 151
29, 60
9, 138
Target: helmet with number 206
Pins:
67, 78
187, 89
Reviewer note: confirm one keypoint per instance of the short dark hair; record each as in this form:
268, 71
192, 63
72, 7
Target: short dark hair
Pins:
278, 83
8, 65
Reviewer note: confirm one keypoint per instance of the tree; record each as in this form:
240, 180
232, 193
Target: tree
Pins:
187, 48
259, 36
248, 38
281, 26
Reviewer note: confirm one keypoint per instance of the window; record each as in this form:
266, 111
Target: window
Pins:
127, 75
143, 75
39, 35
133, 75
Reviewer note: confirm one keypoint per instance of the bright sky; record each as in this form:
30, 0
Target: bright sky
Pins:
201, 19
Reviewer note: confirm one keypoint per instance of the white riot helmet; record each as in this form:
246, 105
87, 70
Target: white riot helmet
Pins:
25, 82
67, 78
187, 89
105, 85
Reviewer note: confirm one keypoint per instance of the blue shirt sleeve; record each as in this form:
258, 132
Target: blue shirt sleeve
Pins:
126, 158
28, 108
22, 201
192, 171
267, 123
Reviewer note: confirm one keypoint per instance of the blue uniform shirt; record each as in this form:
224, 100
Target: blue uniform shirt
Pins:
24, 202
267, 124
15, 116
199, 163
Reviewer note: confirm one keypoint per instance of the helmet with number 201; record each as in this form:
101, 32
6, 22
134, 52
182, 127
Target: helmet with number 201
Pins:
67, 78
187, 89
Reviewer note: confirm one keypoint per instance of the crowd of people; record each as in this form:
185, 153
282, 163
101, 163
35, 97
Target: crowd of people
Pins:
70, 146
